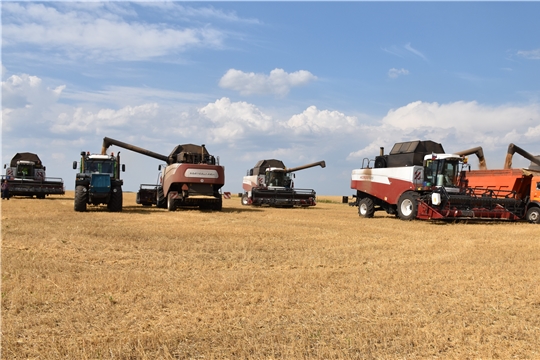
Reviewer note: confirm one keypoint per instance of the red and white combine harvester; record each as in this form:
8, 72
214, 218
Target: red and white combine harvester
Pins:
417, 179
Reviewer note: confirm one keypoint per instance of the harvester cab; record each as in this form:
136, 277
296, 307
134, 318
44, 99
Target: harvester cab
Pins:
443, 170
98, 181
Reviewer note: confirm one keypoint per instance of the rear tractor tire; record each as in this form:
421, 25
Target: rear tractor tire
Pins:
366, 208
81, 196
161, 201
533, 215
407, 206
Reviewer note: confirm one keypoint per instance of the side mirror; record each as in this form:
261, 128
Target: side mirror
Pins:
74, 165
159, 167
44, 168
4, 166
123, 167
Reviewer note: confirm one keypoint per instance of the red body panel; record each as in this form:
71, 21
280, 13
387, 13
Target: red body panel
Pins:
193, 173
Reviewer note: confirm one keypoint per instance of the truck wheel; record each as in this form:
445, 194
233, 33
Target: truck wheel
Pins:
245, 199
366, 208
115, 201
533, 215
407, 206
81, 197
171, 203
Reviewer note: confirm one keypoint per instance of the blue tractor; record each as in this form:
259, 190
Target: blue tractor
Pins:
98, 181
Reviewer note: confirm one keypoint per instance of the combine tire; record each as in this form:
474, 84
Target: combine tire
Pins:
407, 206
218, 206
245, 199
366, 208
161, 201
115, 201
533, 215
80, 198
171, 203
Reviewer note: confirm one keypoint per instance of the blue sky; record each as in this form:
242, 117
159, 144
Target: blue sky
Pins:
296, 81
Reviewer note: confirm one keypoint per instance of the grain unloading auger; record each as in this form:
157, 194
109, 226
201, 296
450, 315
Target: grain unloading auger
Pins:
271, 183
191, 178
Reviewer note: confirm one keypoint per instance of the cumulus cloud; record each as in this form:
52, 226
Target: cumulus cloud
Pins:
463, 124
530, 54
89, 122
394, 73
278, 82
26, 99
232, 120
313, 120
78, 32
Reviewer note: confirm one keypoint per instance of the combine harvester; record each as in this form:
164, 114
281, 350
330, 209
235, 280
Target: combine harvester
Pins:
191, 178
26, 177
270, 183
419, 180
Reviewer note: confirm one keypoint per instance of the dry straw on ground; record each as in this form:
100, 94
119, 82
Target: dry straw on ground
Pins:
263, 283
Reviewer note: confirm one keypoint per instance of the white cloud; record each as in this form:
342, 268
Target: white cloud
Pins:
530, 54
394, 73
278, 82
233, 120
313, 120
82, 33
408, 47
105, 119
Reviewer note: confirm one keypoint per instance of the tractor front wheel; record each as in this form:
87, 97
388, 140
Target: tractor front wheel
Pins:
245, 199
366, 208
407, 206
81, 196
115, 201
533, 215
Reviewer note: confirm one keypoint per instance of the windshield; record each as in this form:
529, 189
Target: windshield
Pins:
441, 173
24, 170
99, 166
274, 178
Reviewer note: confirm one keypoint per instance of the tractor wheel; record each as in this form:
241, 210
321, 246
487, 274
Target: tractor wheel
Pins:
161, 201
171, 203
245, 199
407, 206
81, 196
115, 201
366, 208
533, 215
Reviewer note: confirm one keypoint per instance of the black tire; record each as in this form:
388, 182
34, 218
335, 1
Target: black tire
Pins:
407, 206
115, 201
81, 198
40, 196
218, 206
245, 199
533, 215
171, 203
161, 201
366, 208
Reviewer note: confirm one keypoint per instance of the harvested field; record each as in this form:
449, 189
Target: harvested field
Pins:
263, 283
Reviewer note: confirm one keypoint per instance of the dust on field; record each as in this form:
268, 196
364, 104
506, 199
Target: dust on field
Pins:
263, 283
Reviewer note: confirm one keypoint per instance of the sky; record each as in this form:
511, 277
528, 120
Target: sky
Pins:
295, 81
